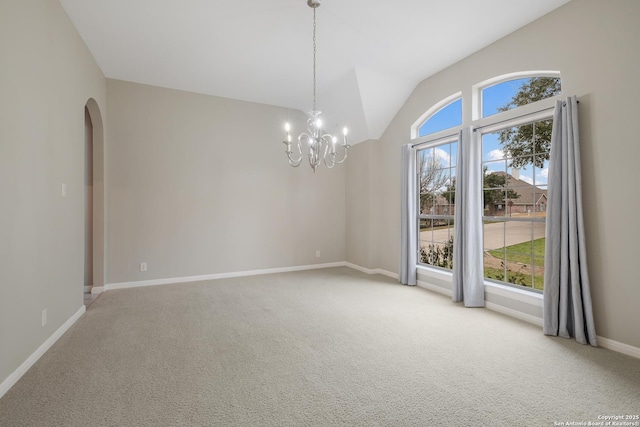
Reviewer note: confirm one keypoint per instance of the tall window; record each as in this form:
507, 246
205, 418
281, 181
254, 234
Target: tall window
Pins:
515, 164
436, 186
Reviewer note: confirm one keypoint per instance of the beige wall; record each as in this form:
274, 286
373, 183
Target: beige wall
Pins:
46, 77
200, 185
361, 186
594, 45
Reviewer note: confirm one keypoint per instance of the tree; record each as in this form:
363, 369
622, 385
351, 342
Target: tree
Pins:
449, 192
529, 144
495, 184
432, 179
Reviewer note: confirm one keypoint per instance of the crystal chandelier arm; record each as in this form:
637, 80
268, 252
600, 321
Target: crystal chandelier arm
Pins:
337, 154
329, 150
315, 148
334, 156
295, 162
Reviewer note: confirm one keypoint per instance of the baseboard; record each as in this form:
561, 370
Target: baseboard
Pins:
514, 313
434, 288
87, 289
97, 290
627, 349
141, 283
371, 271
489, 305
24, 367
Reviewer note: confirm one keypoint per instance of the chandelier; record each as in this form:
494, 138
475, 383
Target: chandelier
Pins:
316, 144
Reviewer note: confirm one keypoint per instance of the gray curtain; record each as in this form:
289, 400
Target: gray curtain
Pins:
408, 219
468, 282
567, 298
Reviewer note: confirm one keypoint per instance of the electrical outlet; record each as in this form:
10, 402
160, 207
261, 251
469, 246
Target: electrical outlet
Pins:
44, 317
63, 190
143, 266
317, 254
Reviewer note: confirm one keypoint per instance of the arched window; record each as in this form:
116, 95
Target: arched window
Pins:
514, 90
512, 119
436, 167
446, 114
515, 162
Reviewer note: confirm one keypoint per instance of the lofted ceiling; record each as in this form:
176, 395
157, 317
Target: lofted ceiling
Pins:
370, 55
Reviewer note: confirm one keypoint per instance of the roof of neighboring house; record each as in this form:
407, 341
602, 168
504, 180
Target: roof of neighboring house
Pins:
528, 194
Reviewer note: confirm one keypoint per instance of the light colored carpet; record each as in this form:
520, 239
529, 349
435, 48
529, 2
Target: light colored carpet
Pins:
317, 348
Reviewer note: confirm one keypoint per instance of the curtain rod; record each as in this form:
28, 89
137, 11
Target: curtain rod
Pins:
564, 103
435, 140
514, 118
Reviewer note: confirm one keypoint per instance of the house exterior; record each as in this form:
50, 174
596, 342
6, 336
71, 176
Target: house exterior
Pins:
531, 200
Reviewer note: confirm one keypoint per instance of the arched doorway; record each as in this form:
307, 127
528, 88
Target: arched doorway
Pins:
94, 200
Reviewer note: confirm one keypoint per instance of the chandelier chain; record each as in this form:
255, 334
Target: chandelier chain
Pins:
314, 59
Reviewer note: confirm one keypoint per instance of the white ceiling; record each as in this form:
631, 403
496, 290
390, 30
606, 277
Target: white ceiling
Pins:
371, 54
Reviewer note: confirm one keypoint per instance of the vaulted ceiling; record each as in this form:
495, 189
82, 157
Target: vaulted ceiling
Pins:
371, 54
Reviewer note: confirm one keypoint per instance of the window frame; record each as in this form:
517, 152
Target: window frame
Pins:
432, 142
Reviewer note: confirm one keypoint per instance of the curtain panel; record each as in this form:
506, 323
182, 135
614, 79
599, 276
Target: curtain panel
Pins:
408, 219
468, 282
567, 296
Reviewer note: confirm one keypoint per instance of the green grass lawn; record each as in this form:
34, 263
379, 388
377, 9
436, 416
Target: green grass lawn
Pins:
522, 252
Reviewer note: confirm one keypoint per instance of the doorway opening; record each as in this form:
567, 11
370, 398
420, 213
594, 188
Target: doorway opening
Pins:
94, 232
88, 206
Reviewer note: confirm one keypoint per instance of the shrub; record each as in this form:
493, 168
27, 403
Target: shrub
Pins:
438, 255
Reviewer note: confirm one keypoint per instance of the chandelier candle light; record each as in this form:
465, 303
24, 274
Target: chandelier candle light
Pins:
318, 145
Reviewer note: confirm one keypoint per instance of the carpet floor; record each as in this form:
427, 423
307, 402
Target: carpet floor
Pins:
332, 347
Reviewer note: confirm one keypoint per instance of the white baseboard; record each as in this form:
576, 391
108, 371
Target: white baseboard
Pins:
97, 290
24, 367
627, 349
434, 288
173, 280
87, 289
514, 313
372, 271
141, 283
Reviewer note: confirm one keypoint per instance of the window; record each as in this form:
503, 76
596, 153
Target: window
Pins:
515, 93
436, 187
515, 163
444, 118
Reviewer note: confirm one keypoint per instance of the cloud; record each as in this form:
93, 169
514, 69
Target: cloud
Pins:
496, 154
445, 158
544, 173
442, 154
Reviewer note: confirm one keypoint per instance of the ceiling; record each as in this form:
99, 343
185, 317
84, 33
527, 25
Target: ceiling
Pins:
370, 55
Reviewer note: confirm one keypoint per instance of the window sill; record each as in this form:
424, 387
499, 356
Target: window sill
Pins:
519, 303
